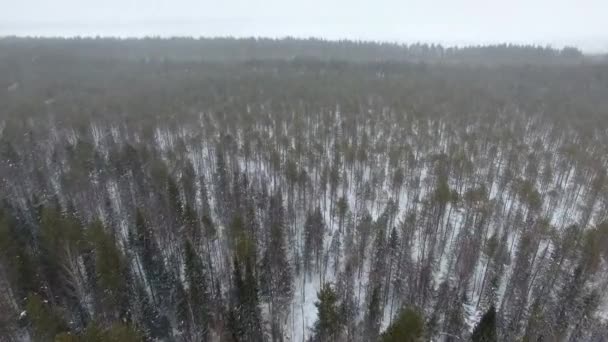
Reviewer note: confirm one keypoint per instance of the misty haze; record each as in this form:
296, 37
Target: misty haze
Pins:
306, 172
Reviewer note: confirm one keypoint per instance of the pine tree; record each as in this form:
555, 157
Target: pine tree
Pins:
192, 229
240, 239
50, 244
198, 290
408, 327
454, 316
253, 316
119, 332
111, 274
205, 207
20, 266
183, 313
276, 272
188, 183
329, 324
373, 315
175, 201
156, 324
485, 331
45, 323
342, 209
222, 188
236, 312
364, 230
378, 261
393, 244
349, 309
253, 232
314, 230
151, 259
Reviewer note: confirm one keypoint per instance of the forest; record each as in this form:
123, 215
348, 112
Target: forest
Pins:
225, 189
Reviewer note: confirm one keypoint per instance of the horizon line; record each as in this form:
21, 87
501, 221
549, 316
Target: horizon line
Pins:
401, 43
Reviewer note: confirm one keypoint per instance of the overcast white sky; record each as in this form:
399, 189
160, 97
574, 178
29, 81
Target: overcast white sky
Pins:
583, 23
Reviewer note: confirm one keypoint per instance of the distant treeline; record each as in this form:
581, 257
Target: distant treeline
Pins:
34, 72
244, 49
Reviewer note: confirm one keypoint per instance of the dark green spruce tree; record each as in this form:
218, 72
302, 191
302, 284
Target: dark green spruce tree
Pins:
198, 292
328, 326
408, 327
485, 331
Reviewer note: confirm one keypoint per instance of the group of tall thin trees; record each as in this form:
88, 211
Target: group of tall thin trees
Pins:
178, 200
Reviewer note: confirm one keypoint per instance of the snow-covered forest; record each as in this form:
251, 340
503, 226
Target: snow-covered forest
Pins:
301, 190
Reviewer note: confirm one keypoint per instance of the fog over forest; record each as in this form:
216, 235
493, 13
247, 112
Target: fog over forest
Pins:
228, 189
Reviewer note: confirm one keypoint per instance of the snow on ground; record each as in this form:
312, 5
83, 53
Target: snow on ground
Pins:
304, 311
471, 316
603, 313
